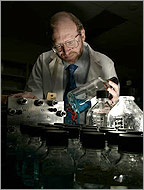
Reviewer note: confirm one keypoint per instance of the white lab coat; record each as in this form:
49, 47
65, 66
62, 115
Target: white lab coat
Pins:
47, 73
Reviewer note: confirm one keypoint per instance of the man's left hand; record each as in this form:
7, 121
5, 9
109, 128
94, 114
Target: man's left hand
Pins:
114, 91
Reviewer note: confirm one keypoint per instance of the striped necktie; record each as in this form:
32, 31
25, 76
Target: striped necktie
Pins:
72, 117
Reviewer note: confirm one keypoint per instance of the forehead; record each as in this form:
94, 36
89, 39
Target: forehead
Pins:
65, 29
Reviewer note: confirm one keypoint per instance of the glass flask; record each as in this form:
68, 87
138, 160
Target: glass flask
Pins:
97, 115
57, 168
93, 169
126, 115
83, 97
128, 171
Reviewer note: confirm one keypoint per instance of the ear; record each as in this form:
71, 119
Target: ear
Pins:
83, 34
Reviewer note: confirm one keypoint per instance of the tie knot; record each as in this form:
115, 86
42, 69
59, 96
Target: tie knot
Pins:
72, 68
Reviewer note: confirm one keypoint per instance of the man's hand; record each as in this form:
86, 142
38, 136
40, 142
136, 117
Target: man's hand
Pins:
24, 95
114, 91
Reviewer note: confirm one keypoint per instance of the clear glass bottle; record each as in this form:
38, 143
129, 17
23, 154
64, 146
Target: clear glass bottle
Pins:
128, 171
126, 115
57, 168
97, 115
83, 97
31, 157
93, 170
74, 144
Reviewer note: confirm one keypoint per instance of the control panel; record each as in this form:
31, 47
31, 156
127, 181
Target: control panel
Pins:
34, 111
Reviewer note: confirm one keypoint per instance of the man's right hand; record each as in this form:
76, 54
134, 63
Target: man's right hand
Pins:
24, 95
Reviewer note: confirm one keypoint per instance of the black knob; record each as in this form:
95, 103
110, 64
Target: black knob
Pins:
52, 102
61, 113
38, 102
52, 109
11, 129
11, 111
22, 101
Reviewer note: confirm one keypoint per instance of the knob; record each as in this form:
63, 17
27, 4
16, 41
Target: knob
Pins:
11, 129
61, 113
52, 109
38, 102
22, 101
52, 102
11, 111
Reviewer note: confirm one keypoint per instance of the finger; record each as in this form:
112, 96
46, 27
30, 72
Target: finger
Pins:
113, 92
114, 86
111, 103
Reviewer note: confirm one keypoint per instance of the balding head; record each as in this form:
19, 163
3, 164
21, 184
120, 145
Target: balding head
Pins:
60, 17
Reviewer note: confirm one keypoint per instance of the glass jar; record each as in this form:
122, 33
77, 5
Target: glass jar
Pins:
83, 97
74, 144
97, 115
126, 115
93, 169
128, 171
57, 168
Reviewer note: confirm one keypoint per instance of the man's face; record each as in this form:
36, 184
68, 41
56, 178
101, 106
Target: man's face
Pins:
63, 36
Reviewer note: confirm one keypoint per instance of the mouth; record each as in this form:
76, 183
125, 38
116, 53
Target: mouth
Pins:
69, 56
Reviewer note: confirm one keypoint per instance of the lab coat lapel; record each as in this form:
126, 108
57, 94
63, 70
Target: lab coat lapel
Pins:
56, 69
95, 69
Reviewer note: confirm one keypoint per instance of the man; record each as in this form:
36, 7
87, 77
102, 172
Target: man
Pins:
50, 73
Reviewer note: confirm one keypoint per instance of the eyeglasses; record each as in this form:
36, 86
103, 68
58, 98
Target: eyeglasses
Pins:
70, 44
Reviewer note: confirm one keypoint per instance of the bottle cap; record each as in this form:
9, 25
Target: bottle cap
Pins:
130, 143
56, 137
113, 136
91, 139
73, 132
102, 94
87, 129
106, 130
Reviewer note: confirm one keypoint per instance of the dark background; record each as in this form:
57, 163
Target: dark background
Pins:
114, 28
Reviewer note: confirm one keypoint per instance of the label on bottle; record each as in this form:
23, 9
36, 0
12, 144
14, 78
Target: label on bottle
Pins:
100, 120
118, 122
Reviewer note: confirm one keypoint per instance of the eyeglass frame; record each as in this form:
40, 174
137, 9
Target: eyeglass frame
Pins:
65, 43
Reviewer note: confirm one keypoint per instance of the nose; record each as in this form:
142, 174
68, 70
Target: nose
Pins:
65, 49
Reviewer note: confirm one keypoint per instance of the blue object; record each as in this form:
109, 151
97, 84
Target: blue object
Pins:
72, 117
